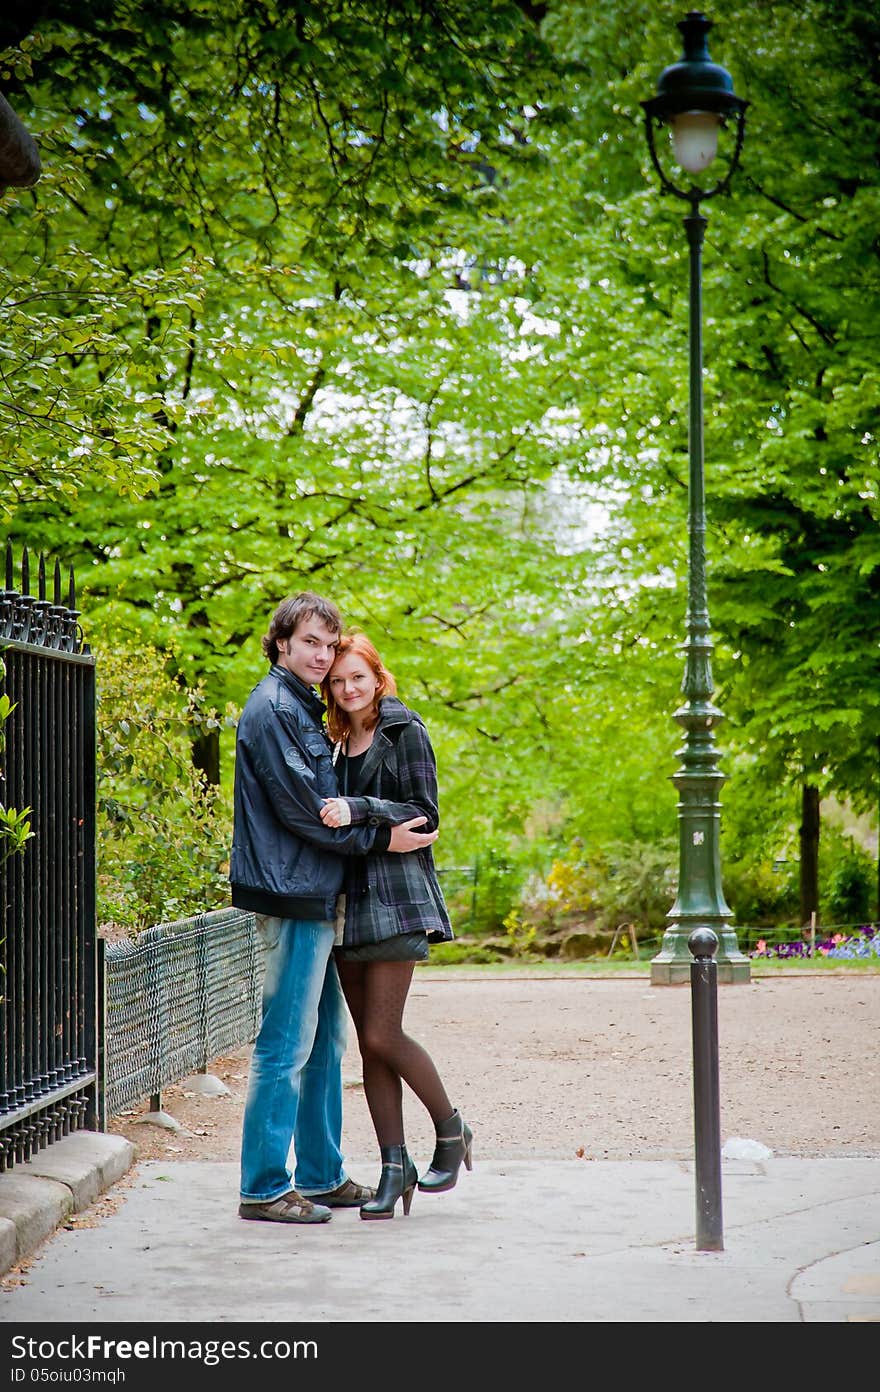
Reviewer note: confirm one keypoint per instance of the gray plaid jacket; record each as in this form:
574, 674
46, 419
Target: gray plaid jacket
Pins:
386, 893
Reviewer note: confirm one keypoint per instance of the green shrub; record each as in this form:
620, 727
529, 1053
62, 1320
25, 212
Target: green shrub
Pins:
847, 885
15, 827
520, 935
496, 890
449, 954
761, 892
162, 836
622, 882
638, 885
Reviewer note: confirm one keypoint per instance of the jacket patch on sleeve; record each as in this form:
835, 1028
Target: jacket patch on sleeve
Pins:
295, 760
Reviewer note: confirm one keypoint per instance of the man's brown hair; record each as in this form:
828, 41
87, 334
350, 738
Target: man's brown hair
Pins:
290, 612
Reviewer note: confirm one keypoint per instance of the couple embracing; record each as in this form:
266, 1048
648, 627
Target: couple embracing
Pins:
326, 854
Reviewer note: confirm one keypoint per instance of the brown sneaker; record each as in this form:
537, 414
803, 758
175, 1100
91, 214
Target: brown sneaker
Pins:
287, 1208
345, 1195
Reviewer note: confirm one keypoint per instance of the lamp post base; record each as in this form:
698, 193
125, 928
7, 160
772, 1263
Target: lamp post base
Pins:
672, 965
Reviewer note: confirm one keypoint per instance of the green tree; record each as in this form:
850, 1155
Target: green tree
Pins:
791, 297
411, 303
335, 396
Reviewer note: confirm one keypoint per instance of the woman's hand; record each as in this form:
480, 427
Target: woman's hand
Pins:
336, 812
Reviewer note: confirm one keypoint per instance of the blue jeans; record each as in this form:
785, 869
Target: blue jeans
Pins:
295, 1085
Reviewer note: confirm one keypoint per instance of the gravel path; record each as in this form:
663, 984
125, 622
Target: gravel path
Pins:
600, 1069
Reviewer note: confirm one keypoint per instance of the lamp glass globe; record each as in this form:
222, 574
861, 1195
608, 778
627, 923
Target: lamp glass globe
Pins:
695, 139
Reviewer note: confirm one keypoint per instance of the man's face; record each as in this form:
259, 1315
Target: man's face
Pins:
309, 651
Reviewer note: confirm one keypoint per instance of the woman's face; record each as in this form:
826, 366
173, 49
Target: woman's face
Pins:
353, 684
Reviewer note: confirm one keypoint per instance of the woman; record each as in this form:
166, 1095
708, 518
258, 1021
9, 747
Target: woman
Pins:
393, 908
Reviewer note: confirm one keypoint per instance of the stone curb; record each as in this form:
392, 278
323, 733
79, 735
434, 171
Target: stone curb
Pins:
68, 1176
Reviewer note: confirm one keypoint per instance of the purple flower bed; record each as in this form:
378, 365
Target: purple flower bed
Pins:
862, 944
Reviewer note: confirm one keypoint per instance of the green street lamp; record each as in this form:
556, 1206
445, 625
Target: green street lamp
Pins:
695, 98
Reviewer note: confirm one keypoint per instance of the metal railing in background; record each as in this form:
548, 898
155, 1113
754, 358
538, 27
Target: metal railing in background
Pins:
176, 997
461, 881
48, 981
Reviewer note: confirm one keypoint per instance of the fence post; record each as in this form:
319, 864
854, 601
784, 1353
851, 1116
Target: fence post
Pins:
98, 1119
703, 944
473, 921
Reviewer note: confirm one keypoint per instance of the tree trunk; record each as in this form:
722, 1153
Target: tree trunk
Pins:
809, 833
19, 156
206, 757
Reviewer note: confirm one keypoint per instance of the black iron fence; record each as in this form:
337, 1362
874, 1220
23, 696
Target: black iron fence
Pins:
48, 982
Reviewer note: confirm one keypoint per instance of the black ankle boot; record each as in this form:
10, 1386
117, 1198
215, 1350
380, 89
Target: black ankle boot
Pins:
398, 1180
453, 1145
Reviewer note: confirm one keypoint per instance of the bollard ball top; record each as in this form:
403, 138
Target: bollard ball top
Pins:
703, 943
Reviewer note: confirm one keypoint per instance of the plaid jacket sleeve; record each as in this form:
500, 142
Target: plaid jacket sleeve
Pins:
416, 783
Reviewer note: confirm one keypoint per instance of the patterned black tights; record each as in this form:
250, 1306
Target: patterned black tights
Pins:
376, 993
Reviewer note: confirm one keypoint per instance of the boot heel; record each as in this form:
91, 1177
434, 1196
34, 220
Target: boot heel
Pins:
407, 1199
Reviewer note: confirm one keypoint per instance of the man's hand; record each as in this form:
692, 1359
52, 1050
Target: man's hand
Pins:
404, 838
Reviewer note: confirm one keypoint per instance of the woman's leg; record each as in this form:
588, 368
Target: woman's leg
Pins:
389, 1054
382, 1087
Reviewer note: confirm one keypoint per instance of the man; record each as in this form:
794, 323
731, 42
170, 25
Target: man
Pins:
286, 867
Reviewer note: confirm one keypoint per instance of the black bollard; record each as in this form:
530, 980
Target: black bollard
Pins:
703, 944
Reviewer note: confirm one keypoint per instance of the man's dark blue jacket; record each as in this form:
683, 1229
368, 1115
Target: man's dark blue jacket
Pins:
284, 860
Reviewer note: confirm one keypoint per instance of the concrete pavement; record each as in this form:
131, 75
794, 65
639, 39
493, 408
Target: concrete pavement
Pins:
524, 1241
